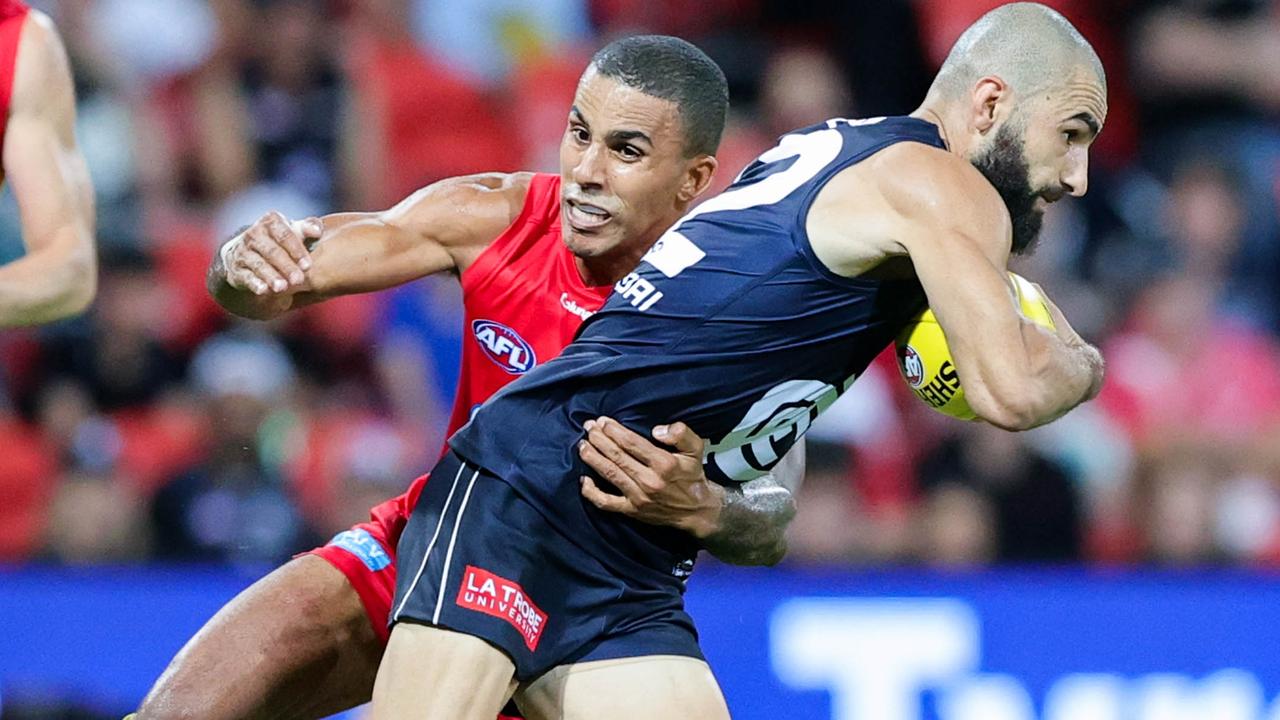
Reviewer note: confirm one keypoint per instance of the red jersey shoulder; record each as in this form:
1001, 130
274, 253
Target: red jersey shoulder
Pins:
12, 8
12, 16
538, 220
526, 303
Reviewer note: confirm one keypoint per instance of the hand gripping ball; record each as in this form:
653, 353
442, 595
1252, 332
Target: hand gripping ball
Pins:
926, 363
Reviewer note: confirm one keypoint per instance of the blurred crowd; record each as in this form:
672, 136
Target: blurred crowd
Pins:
157, 428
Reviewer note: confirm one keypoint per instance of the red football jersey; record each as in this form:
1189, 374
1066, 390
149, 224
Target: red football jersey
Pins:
524, 301
13, 14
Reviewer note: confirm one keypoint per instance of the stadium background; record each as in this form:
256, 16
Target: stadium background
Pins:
1118, 565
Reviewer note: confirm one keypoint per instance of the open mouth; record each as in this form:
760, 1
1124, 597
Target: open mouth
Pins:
585, 216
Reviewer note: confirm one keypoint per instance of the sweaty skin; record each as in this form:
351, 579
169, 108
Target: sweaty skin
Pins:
42, 163
298, 644
913, 208
950, 217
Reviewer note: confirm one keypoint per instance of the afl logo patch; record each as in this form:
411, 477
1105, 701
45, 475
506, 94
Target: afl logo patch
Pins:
912, 366
504, 346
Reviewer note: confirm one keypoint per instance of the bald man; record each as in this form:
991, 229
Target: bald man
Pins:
58, 275
747, 319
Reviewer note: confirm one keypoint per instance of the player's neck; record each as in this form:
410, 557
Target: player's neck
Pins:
938, 116
607, 269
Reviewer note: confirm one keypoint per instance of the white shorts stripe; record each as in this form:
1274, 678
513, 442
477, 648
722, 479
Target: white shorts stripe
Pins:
448, 556
434, 535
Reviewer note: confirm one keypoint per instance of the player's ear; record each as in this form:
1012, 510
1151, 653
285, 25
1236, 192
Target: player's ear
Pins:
697, 177
984, 107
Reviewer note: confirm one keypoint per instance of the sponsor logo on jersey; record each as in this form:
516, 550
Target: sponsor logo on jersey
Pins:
504, 346
912, 366
490, 594
769, 430
567, 303
360, 543
639, 292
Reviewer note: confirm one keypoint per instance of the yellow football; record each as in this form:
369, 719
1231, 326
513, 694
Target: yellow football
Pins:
925, 360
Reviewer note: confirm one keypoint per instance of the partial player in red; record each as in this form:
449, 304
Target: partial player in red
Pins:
536, 256
58, 274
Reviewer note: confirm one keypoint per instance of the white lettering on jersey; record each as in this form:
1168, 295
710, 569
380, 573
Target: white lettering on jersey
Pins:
499, 345
567, 303
504, 346
674, 252
639, 292
851, 122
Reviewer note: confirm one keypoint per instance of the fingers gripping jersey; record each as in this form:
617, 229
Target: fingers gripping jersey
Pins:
729, 324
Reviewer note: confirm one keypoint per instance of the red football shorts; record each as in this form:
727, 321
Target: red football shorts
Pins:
366, 554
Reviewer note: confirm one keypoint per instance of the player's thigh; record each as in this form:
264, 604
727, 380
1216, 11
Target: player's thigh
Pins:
433, 672
296, 644
639, 688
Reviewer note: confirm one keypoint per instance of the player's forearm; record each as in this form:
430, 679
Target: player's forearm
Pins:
1081, 371
363, 252
54, 282
751, 528
1071, 374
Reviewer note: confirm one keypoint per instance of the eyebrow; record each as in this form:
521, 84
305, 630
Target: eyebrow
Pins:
616, 135
1088, 119
626, 135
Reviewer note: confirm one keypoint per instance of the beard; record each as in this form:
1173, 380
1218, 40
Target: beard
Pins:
1004, 164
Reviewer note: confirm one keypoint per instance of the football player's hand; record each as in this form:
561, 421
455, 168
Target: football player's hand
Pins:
1061, 327
270, 257
660, 484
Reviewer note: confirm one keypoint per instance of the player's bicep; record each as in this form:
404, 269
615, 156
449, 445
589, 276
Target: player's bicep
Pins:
439, 228
41, 159
966, 288
460, 216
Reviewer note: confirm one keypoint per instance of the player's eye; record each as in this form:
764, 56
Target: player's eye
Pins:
580, 134
629, 153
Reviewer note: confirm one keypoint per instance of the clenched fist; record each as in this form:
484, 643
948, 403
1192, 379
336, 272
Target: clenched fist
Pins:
270, 257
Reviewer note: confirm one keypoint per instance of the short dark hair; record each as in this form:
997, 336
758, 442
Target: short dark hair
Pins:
671, 69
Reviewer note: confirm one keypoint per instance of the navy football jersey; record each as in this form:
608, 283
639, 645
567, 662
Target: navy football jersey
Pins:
730, 324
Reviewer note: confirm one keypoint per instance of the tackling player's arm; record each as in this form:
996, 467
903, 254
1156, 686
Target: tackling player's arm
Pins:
937, 209
274, 265
742, 525
751, 524
57, 276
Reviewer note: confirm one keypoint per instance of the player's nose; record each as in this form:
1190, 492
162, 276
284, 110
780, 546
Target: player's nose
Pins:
1076, 178
589, 170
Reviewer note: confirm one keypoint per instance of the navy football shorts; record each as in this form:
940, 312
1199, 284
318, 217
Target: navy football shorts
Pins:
477, 558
